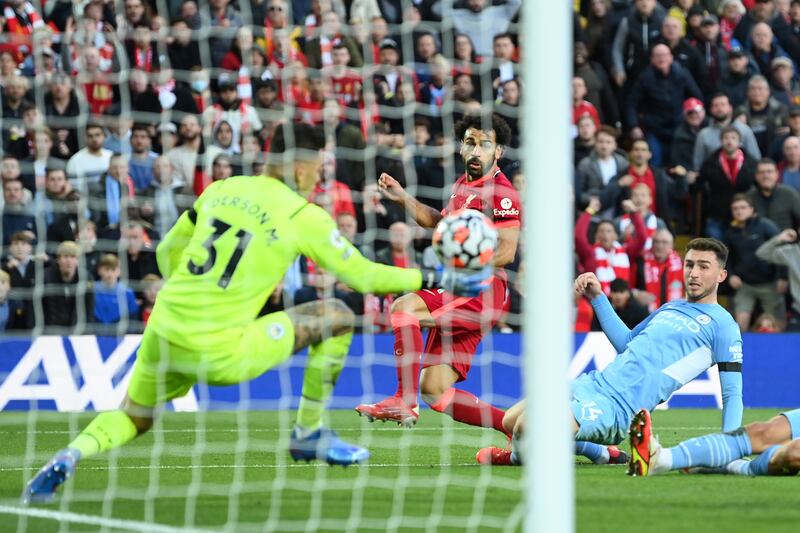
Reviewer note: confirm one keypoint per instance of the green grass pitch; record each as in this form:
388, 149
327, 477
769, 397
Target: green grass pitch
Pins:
420, 479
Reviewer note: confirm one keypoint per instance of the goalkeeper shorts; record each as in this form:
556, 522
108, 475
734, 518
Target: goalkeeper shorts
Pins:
164, 371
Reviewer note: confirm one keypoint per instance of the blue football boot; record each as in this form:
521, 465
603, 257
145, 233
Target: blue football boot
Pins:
326, 446
42, 488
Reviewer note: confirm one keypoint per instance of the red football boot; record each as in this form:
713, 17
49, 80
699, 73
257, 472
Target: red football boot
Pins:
392, 409
494, 456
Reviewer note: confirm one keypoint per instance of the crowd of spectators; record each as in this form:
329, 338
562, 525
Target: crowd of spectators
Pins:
117, 114
686, 116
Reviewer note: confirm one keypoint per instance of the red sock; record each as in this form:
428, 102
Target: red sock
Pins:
469, 409
407, 350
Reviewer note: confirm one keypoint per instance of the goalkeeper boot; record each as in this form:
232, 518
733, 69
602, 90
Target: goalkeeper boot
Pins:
42, 488
495, 456
392, 409
644, 446
325, 445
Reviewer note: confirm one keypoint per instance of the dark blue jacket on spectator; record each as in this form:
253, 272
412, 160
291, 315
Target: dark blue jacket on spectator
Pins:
743, 241
15, 220
655, 102
112, 303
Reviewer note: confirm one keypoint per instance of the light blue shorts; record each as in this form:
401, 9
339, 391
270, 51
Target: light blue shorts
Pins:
601, 418
794, 422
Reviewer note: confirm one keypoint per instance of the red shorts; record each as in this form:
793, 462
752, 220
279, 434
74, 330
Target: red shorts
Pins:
460, 324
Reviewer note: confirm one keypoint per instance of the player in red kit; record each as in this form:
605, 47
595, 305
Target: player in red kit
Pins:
456, 325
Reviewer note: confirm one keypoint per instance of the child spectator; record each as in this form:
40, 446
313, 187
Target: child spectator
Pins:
113, 300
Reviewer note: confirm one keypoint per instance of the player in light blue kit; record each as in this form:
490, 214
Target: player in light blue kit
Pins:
675, 344
777, 441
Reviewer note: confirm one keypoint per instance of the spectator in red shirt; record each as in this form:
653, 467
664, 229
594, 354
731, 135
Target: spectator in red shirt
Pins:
658, 273
607, 258
345, 83
339, 193
580, 106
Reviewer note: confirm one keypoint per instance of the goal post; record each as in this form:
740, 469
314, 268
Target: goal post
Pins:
548, 340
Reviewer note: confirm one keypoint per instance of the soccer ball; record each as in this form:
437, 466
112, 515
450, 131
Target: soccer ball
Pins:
465, 239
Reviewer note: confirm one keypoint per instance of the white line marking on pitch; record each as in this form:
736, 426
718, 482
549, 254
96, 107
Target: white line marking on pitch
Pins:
116, 523
288, 465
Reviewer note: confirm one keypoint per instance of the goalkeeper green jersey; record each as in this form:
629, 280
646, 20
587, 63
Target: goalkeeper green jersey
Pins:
224, 258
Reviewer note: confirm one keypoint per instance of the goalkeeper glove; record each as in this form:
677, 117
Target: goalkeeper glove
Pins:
459, 282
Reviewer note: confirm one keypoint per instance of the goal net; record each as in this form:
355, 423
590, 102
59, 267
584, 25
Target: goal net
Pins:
116, 116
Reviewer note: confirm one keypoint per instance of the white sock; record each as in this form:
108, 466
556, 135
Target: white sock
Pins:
663, 461
303, 432
739, 467
604, 458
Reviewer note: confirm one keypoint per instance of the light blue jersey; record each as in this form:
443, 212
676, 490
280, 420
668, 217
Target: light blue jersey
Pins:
667, 350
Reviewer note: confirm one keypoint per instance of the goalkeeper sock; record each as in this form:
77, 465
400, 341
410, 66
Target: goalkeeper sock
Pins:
325, 362
760, 465
407, 350
710, 450
594, 452
107, 431
469, 409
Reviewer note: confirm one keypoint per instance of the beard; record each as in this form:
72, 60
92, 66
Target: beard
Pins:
720, 118
478, 173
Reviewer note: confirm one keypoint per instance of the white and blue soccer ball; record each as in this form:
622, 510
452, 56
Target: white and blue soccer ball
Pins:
465, 239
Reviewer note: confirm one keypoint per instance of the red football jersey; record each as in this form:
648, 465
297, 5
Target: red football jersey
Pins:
492, 194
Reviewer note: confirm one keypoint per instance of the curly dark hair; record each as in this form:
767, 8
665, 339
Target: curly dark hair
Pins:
479, 121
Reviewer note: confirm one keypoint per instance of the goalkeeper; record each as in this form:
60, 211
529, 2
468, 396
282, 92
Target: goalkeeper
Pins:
221, 260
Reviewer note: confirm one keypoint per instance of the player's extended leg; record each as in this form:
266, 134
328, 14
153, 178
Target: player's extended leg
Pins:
327, 327
113, 429
709, 451
409, 315
436, 384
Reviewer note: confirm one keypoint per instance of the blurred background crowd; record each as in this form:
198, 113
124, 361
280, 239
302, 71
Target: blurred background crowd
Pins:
116, 114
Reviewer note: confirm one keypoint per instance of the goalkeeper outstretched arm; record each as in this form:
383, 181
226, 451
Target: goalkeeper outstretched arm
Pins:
318, 238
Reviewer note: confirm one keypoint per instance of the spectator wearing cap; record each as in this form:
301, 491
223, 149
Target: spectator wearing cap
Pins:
753, 279
741, 67
68, 300
713, 53
765, 48
730, 13
225, 22
778, 202
680, 12
242, 117
166, 137
694, 120
389, 75
727, 171
785, 88
598, 87
682, 50
636, 35
765, 115
710, 138
319, 50
655, 103
482, 20
44, 61
61, 108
